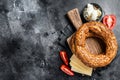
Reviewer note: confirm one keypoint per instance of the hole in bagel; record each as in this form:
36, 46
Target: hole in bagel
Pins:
95, 45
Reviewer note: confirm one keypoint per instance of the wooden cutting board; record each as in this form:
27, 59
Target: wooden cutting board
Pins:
92, 44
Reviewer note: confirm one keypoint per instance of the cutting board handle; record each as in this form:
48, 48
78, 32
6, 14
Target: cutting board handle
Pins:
74, 17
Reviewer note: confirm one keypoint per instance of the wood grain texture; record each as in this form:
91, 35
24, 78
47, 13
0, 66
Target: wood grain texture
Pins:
74, 17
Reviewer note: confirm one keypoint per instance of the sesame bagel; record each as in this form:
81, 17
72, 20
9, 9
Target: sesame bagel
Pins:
94, 29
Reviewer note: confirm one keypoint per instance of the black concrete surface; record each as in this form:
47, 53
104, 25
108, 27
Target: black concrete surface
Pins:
32, 32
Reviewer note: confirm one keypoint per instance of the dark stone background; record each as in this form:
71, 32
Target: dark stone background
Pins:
32, 32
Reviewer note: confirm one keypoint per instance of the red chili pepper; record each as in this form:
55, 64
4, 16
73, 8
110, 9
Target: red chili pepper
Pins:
109, 21
66, 70
64, 57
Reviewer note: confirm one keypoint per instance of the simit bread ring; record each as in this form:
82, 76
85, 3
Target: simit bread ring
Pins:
94, 29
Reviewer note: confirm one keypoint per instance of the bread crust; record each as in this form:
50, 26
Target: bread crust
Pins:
94, 29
